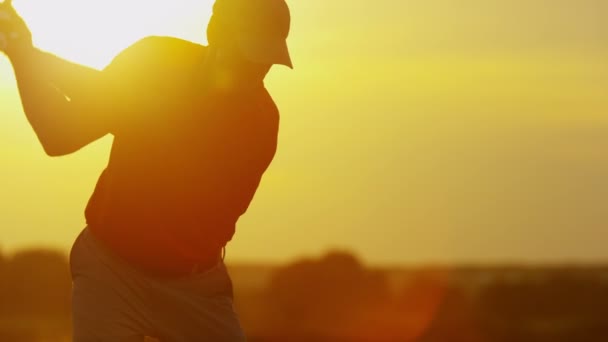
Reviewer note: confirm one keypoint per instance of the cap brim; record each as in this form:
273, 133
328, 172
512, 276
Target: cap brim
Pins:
266, 51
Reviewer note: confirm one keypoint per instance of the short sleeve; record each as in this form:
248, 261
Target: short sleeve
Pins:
147, 72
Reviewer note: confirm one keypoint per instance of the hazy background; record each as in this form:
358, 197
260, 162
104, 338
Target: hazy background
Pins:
412, 131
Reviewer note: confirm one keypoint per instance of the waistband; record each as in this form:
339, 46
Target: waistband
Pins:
176, 270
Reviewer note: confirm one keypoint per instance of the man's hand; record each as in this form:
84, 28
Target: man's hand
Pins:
15, 37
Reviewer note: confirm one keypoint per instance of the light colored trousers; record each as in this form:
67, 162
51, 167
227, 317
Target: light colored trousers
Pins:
114, 302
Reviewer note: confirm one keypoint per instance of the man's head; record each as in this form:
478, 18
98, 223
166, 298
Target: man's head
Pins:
250, 34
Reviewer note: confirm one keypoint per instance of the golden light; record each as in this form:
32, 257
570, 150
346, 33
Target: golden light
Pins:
92, 32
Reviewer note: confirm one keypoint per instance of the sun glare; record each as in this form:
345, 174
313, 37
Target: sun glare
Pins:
92, 32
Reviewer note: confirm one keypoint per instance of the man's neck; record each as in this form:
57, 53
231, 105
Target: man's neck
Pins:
231, 80
239, 77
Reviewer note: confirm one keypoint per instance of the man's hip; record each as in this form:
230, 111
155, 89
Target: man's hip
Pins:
113, 300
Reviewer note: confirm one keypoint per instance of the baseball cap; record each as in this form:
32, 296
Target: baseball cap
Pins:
261, 27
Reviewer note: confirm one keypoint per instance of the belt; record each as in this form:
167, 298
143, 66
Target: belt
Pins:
190, 268
204, 266
174, 270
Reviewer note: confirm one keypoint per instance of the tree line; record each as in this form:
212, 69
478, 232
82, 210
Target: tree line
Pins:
337, 298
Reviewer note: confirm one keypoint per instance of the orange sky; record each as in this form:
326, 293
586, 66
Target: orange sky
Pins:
412, 131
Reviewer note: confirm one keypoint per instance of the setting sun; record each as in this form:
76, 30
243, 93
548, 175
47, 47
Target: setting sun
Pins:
92, 32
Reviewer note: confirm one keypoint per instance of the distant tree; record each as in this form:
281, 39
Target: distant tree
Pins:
3, 282
420, 301
454, 320
35, 283
3, 263
560, 305
323, 297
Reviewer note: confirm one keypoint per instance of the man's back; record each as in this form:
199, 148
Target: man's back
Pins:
186, 160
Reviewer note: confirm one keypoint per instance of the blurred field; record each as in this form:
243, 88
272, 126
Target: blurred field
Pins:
337, 298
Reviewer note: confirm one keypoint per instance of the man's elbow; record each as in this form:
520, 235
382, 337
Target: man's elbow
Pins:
56, 145
55, 152
58, 149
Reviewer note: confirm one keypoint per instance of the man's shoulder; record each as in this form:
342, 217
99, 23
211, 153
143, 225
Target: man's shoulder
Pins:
268, 103
159, 51
164, 45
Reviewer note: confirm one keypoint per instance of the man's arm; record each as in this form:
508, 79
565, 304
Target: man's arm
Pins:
63, 101
69, 77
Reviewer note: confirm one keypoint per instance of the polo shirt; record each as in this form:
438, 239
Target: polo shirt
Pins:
186, 159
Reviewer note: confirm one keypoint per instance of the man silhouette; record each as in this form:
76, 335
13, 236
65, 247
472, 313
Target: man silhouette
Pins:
194, 130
